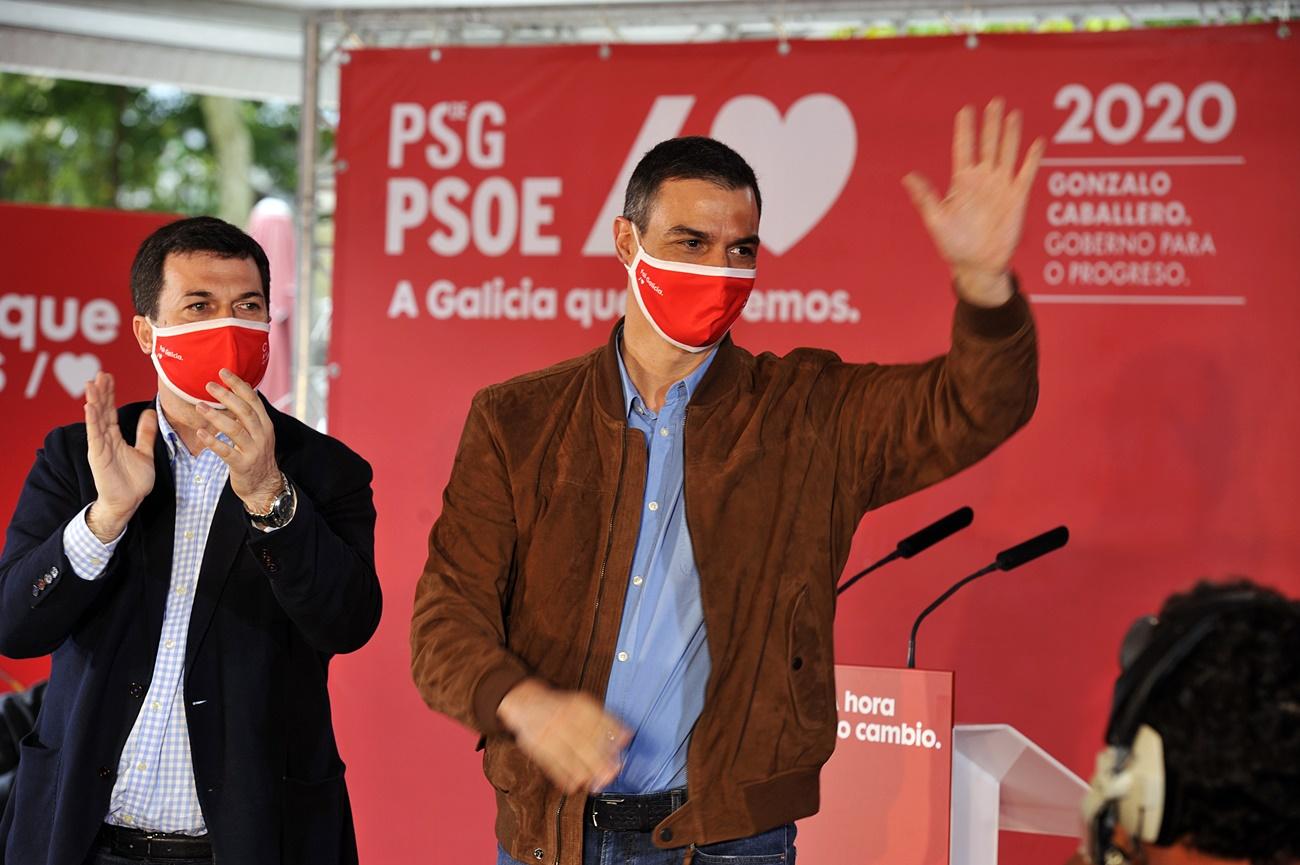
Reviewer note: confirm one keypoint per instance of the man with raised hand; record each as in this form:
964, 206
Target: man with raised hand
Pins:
631, 587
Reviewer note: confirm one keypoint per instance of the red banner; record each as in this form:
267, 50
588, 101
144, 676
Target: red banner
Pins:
65, 314
476, 195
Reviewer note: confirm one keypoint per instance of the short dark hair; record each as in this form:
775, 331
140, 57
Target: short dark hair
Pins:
691, 158
198, 234
1229, 717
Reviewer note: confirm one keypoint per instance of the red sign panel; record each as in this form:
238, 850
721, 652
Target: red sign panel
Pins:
885, 792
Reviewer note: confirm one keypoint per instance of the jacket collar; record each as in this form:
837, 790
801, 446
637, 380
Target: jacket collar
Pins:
719, 382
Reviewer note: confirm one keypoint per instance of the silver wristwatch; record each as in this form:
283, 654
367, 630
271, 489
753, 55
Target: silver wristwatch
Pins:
281, 511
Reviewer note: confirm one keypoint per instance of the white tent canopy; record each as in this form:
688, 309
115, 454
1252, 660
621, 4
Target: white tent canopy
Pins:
254, 49
245, 50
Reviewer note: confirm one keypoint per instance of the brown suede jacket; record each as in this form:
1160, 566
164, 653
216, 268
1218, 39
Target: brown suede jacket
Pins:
528, 563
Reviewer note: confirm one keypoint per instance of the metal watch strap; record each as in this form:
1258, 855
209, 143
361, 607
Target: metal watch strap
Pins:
262, 520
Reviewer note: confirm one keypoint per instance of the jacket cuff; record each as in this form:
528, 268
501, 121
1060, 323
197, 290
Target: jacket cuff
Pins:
996, 322
280, 552
490, 691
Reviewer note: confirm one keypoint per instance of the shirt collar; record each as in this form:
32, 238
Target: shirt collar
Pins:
175, 447
690, 383
169, 436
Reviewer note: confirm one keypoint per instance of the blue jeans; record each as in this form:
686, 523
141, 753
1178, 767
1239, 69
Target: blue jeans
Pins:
774, 847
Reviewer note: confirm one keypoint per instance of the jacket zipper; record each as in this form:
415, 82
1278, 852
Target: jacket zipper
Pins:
595, 618
686, 520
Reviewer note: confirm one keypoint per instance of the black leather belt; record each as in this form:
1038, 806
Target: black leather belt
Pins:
618, 812
133, 843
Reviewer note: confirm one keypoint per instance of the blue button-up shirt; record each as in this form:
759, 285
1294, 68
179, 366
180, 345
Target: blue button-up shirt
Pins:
661, 661
155, 776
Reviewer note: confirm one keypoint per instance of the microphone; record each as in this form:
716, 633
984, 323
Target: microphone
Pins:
1008, 559
917, 542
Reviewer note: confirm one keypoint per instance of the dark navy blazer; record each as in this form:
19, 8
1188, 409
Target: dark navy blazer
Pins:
270, 610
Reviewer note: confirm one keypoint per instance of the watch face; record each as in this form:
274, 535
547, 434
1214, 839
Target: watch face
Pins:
281, 510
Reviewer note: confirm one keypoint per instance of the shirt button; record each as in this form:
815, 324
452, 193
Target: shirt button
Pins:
180, 590
636, 581
170, 644
94, 560
189, 536
127, 818
654, 506
198, 479
141, 766
155, 705
622, 656
663, 431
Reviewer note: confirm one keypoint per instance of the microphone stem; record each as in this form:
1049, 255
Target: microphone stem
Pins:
860, 574
911, 640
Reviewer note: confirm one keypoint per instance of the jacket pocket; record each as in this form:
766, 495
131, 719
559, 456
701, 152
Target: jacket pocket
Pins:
809, 668
497, 766
317, 822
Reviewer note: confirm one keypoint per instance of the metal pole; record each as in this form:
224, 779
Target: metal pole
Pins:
307, 134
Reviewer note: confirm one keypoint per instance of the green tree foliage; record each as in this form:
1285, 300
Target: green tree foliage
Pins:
98, 145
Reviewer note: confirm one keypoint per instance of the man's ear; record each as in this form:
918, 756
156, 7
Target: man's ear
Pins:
625, 243
143, 333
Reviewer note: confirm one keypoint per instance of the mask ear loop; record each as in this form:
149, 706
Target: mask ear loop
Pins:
636, 258
153, 335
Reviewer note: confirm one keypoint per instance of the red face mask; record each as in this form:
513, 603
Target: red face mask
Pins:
691, 306
188, 356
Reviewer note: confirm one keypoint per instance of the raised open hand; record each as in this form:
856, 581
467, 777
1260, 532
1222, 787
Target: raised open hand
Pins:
978, 224
123, 473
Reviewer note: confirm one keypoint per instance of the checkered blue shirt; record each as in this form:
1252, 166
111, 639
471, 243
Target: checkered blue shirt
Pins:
155, 776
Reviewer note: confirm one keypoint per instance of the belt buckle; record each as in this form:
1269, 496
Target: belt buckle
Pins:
606, 802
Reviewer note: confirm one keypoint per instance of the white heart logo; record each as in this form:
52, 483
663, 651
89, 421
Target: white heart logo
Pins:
74, 370
802, 161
